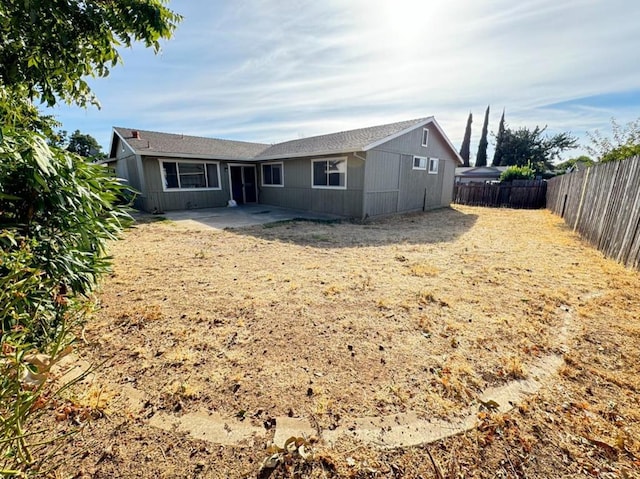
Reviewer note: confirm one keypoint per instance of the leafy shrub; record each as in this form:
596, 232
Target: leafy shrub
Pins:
517, 173
56, 217
56, 212
621, 153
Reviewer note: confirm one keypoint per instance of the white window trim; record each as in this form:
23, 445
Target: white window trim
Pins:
329, 187
426, 163
173, 160
425, 143
433, 161
281, 174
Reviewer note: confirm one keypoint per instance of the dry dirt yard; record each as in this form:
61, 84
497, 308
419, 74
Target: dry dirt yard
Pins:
334, 322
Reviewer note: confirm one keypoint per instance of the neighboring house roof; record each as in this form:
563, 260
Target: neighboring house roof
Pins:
144, 142
362, 139
480, 171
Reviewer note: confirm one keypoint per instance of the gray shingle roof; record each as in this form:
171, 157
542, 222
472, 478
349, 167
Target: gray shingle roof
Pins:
361, 139
341, 142
154, 142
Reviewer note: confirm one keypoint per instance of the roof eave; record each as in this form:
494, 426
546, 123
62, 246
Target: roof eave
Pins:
115, 132
195, 156
398, 134
446, 138
307, 154
426, 121
106, 161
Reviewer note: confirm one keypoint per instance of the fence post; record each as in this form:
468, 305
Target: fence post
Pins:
584, 190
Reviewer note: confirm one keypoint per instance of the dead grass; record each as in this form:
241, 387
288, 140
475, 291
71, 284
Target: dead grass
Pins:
336, 321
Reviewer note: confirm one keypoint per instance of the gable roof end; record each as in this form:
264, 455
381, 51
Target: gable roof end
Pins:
431, 120
341, 142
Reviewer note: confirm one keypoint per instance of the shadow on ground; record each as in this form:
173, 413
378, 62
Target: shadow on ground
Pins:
432, 227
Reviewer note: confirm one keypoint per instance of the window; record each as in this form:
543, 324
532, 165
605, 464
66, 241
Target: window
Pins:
272, 174
420, 163
433, 166
190, 175
329, 173
425, 136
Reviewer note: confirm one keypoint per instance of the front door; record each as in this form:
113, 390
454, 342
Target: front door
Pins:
243, 183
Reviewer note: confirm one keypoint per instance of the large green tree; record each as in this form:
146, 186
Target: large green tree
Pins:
79, 143
465, 149
57, 210
50, 47
85, 145
498, 153
481, 157
524, 146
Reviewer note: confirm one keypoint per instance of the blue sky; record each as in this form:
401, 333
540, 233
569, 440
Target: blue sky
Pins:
275, 70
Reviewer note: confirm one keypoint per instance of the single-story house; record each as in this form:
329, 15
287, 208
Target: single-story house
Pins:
479, 174
380, 170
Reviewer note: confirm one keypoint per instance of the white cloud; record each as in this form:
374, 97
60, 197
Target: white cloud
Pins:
271, 70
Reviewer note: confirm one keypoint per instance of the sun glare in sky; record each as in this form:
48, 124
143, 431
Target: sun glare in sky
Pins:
274, 70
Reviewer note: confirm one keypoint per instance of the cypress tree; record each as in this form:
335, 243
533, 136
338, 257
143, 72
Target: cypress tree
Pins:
481, 158
499, 153
466, 143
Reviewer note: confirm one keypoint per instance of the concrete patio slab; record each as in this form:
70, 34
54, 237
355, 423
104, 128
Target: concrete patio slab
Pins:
245, 215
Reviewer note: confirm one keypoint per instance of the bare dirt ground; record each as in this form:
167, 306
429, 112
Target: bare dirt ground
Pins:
332, 322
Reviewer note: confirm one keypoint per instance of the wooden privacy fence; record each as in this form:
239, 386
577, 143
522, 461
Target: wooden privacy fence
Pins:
515, 194
603, 205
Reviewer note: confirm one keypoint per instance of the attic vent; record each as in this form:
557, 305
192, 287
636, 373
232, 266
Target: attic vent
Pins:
135, 134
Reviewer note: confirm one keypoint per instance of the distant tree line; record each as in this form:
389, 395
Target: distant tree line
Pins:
522, 147
79, 143
540, 153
